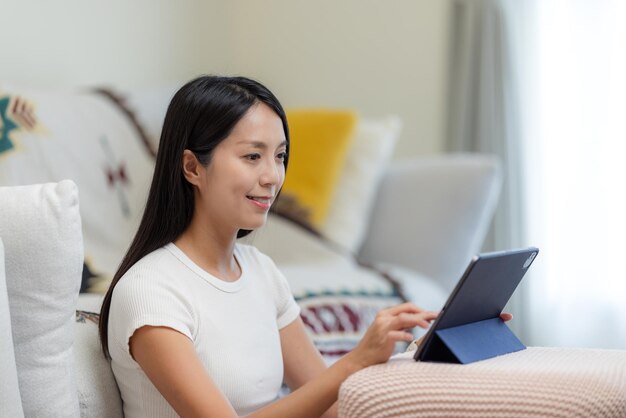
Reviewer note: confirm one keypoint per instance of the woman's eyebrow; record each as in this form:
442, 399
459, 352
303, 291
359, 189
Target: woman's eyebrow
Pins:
259, 144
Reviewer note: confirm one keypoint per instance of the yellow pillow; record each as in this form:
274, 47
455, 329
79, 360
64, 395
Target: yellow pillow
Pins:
320, 139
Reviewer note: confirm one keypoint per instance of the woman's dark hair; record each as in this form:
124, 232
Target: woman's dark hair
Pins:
200, 116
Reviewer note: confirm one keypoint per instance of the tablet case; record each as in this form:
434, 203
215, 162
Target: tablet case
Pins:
473, 342
481, 293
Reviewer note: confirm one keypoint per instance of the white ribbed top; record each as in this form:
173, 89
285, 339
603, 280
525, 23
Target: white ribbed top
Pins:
536, 382
166, 288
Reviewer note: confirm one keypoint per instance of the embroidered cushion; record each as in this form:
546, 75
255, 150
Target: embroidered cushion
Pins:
47, 136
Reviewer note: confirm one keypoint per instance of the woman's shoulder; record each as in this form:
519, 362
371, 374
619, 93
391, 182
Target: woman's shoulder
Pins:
153, 261
153, 268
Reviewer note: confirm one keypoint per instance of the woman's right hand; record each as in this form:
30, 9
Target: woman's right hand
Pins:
389, 327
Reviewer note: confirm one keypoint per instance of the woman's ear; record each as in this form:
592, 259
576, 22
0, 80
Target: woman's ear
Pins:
191, 167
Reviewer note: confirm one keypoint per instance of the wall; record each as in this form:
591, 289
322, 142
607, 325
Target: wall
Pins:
377, 57
84, 42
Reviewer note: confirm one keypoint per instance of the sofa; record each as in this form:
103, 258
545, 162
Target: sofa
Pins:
74, 171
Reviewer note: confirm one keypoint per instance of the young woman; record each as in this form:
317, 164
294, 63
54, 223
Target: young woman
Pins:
196, 324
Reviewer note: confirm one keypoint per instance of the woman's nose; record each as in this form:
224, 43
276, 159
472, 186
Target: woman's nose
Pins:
270, 174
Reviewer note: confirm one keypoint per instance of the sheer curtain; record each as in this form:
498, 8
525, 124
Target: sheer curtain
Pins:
485, 114
574, 152
542, 84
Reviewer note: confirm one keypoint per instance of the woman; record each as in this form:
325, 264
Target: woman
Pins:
196, 324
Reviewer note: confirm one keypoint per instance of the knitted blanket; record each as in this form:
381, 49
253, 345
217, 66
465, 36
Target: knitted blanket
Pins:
536, 382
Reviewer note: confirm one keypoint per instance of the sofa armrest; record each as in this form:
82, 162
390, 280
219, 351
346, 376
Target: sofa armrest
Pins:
432, 214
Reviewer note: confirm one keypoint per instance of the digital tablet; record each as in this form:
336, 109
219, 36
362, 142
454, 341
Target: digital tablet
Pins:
469, 327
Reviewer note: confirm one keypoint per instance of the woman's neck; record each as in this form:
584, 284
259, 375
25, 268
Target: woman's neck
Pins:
211, 249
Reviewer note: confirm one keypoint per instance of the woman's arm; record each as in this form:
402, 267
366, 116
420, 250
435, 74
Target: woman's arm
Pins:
302, 361
169, 360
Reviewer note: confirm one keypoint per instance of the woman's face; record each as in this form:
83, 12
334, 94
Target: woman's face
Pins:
246, 171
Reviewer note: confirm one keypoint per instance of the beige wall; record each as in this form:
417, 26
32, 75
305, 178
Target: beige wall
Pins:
84, 42
379, 57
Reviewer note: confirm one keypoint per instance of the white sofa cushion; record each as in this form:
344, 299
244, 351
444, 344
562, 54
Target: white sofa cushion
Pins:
41, 230
10, 400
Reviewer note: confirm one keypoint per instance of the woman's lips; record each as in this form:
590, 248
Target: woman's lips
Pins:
263, 202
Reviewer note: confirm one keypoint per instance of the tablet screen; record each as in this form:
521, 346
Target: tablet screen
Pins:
481, 294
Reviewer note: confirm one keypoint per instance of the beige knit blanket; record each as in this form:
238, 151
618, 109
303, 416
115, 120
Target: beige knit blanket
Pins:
536, 382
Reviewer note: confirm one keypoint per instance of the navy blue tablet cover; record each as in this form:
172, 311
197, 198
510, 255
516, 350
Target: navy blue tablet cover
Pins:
469, 327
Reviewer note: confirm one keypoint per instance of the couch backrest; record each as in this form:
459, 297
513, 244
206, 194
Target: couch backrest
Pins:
432, 214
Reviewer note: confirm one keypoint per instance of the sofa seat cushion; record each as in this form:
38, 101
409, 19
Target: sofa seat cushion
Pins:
536, 382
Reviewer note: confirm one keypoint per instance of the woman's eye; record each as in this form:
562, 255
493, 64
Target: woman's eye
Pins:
253, 157
281, 156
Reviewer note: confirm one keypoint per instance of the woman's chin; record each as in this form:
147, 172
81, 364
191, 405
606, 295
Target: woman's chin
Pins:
252, 225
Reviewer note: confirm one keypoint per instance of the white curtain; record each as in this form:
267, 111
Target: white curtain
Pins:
542, 83
575, 155
485, 114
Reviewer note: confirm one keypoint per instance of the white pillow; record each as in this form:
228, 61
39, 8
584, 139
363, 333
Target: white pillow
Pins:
10, 400
41, 229
366, 162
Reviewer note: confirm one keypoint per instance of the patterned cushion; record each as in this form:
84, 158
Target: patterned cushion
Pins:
47, 136
336, 320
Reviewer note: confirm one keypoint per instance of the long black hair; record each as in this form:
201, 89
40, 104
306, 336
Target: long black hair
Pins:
200, 116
